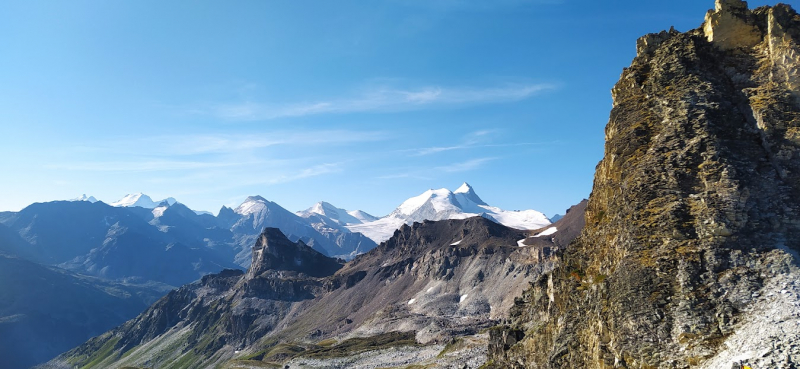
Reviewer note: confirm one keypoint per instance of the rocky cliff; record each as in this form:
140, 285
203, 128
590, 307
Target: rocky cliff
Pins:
689, 255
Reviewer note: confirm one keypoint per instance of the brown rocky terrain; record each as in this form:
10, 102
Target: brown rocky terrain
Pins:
689, 255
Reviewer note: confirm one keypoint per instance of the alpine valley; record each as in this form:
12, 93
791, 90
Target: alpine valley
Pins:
685, 255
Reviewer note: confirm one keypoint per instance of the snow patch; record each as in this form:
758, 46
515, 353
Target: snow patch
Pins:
463, 297
521, 243
547, 232
253, 204
362, 216
379, 230
456, 243
159, 211
412, 301
141, 200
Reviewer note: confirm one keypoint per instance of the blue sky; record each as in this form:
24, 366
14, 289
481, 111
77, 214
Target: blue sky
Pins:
359, 103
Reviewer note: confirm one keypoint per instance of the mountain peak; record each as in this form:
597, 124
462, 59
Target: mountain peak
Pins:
83, 197
141, 200
255, 198
251, 205
338, 215
273, 251
444, 204
135, 199
442, 197
469, 193
465, 188
323, 208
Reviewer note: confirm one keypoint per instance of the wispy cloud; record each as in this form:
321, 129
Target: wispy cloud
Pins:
198, 183
140, 166
475, 5
380, 100
403, 176
285, 175
197, 144
434, 150
465, 166
313, 171
473, 140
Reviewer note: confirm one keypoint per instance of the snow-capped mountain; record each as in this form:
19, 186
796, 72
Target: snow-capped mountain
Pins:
256, 213
141, 200
331, 222
362, 216
329, 229
85, 198
445, 204
316, 227
338, 215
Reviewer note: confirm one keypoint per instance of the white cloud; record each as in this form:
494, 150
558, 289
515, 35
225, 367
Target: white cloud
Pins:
380, 100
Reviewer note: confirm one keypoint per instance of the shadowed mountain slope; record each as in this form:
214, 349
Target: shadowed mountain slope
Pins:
45, 310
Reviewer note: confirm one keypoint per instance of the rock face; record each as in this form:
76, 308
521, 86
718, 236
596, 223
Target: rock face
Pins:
273, 251
689, 255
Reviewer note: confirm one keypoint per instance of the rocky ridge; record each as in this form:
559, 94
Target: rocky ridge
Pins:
689, 256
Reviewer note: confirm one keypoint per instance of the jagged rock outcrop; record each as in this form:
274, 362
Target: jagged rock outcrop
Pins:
273, 251
689, 256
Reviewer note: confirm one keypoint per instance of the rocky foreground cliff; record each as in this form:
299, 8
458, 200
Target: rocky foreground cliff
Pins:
689, 256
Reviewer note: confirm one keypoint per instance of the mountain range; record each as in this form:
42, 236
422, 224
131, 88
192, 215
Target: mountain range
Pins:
335, 231
431, 282
155, 245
